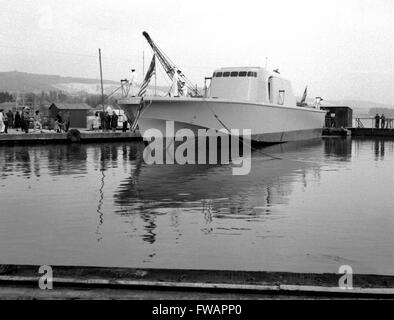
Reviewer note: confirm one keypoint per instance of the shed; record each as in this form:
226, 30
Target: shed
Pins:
338, 116
75, 112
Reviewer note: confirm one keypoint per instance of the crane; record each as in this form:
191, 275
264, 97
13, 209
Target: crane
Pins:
169, 67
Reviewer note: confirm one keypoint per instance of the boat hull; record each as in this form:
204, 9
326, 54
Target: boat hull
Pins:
268, 123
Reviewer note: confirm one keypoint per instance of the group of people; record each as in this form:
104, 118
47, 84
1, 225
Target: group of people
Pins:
107, 120
25, 119
382, 122
18, 120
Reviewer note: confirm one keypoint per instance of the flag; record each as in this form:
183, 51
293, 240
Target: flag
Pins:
151, 71
304, 95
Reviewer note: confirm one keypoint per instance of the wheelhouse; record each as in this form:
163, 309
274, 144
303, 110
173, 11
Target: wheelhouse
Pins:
252, 84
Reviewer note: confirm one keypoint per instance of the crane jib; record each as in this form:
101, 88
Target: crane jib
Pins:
168, 66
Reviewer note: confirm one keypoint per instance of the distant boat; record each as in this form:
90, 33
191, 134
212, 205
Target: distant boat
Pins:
238, 98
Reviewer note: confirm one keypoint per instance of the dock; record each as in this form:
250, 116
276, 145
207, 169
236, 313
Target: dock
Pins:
85, 136
372, 132
73, 135
78, 282
359, 132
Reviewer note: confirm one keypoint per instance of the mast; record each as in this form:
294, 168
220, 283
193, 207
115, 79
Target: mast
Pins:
168, 65
101, 80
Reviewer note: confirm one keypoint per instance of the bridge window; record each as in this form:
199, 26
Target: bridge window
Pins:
235, 74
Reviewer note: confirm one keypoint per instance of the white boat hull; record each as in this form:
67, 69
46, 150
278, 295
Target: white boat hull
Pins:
268, 123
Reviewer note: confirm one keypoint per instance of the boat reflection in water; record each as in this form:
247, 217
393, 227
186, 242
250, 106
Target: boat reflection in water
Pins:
212, 190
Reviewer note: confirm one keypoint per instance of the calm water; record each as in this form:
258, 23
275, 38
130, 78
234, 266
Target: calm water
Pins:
323, 204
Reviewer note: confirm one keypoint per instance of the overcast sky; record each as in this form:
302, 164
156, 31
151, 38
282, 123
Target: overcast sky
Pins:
340, 49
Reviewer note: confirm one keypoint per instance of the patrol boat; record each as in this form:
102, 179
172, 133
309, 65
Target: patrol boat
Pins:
237, 98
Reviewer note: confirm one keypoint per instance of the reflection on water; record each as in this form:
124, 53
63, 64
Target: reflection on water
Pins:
338, 148
154, 190
379, 149
304, 207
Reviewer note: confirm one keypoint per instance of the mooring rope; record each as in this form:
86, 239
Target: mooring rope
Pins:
243, 141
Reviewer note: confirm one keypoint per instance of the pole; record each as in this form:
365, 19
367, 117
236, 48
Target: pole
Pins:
101, 80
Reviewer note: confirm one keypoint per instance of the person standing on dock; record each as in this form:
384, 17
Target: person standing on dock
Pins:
96, 122
2, 126
102, 120
114, 121
59, 123
37, 121
5, 123
383, 121
66, 121
389, 123
25, 119
10, 117
377, 121
125, 122
108, 115
18, 120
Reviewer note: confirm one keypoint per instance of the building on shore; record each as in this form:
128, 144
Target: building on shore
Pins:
338, 116
76, 113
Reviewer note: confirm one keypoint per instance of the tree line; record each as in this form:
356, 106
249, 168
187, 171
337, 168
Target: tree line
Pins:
31, 98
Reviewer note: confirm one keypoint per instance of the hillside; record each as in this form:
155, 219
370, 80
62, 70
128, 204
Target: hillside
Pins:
15, 81
29, 82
